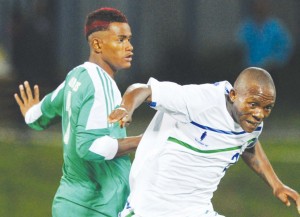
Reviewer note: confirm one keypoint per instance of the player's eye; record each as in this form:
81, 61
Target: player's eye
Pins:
269, 108
121, 39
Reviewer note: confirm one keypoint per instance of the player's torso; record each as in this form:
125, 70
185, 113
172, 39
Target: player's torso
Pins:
188, 167
90, 95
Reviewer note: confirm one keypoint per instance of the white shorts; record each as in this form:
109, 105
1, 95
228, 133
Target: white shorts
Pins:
211, 214
128, 211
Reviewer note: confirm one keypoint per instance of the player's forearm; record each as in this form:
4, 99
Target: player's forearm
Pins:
135, 95
257, 160
128, 145
105, 147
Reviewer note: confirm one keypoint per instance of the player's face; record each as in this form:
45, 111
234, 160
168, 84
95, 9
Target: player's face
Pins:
116, 47
252, 106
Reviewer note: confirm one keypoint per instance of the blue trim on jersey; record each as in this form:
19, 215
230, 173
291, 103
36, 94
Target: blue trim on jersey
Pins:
152, 104
226, 90
222, 131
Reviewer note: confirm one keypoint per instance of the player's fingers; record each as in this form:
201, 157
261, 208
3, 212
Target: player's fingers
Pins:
36, 93
298, 204
294, 195
117, 115
285, 200
121, 123
126, 119
124, 122
18, 100
28, 90
287, 203
283, 197
23, 94
112, 118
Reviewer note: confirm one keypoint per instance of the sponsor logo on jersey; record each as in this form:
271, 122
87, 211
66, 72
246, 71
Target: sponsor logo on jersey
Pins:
202, 137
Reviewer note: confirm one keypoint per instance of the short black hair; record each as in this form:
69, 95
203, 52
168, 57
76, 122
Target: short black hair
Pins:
100, 19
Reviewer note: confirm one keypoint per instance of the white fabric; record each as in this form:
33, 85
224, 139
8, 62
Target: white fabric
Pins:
104, 87
128, 211
34, 113
105, 146
168, 179
61, 86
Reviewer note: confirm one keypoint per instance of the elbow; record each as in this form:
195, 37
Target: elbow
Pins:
103, 148
86, 155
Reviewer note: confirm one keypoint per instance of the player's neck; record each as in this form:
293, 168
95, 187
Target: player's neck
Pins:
229, 106
106, 67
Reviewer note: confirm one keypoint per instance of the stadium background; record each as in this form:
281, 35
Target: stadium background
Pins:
184, 41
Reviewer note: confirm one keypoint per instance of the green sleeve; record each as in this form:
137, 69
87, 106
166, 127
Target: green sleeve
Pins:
51, 109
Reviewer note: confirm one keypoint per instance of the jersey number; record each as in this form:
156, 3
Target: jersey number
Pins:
234, 159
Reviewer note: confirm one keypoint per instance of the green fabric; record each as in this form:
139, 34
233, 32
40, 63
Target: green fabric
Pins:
171, 139
89, 181
130, 214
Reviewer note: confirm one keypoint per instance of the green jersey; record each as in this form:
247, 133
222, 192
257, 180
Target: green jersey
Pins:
84, 101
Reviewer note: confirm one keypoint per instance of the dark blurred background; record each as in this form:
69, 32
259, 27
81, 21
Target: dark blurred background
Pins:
191, 41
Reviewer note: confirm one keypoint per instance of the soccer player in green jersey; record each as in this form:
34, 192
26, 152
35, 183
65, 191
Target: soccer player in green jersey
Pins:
96, 165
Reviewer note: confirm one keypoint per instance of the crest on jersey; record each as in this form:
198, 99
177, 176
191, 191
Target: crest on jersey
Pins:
202, 137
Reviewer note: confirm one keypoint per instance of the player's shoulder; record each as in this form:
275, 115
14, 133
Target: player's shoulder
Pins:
88, 72
78, 79
216, 88
213, 93
222, 86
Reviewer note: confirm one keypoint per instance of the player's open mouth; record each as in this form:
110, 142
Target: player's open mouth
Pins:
129, 58
254, 124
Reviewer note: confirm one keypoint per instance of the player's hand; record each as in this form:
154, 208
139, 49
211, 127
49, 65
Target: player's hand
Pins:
120, 115
26, 99
285, 193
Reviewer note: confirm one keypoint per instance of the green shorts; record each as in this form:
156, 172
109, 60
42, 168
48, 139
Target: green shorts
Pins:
62, 207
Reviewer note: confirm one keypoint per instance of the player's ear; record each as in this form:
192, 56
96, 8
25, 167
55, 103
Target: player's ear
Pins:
232, 95
96, 45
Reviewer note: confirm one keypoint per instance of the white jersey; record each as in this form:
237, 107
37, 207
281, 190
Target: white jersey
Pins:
186, 150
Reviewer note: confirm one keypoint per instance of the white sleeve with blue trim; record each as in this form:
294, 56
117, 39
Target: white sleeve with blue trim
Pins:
168, 97
182, 101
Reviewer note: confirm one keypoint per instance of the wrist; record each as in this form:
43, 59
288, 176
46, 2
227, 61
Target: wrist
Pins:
276, 186
122, 107
127, 109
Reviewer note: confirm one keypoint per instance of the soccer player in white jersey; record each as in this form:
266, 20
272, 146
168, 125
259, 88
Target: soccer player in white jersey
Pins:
96, 165
198, 132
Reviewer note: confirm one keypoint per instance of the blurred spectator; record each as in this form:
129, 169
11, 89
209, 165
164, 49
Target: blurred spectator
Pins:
265, 39
4, 64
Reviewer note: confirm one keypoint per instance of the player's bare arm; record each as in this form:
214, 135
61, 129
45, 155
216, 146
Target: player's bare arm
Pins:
128, 144
257, 160
134, 96
27, 98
